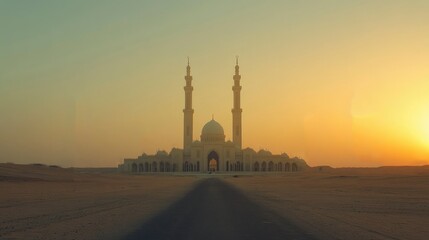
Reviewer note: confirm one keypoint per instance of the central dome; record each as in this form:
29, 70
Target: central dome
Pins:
212, 128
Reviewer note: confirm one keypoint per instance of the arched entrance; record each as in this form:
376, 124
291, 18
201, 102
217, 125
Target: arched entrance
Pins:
264, 167
256, 167
287, 167
213, 161
294, 167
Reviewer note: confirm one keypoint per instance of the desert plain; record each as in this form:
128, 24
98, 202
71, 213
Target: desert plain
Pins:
48, 202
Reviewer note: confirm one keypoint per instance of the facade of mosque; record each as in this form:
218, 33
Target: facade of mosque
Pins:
212, 153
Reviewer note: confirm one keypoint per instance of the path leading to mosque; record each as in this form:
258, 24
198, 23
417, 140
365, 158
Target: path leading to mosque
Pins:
216, 210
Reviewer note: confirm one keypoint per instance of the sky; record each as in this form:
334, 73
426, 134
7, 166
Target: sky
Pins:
335, 82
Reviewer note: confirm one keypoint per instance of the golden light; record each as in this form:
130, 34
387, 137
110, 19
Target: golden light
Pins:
424, 126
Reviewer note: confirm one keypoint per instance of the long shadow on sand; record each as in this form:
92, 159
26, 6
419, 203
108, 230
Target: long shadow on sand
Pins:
216, 210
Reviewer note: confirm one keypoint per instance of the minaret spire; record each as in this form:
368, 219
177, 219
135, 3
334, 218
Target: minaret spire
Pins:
237, 68
188, 70
188, 113
236, 110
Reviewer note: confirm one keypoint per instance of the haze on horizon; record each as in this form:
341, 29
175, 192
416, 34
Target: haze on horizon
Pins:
341, 83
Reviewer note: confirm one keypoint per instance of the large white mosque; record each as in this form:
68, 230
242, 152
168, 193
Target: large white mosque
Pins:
212, 153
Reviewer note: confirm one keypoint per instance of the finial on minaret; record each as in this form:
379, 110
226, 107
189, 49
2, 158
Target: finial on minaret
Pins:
212, 116
237, 68
188, 69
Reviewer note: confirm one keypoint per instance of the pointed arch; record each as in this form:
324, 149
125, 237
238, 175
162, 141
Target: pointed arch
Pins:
256, 167
264, 166
215, 163
287, 167
294, 167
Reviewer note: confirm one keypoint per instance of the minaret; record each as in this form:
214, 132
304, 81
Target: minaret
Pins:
188, 112
236, 110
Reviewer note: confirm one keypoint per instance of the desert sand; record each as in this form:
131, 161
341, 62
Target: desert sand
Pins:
373, 203
41, 202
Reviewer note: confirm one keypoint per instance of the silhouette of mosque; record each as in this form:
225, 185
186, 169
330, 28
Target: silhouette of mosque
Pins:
212, 153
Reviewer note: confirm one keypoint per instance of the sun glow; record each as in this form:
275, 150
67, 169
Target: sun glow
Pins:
425, 129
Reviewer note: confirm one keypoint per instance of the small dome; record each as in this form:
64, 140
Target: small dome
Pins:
212, 128
263, 152
161, 153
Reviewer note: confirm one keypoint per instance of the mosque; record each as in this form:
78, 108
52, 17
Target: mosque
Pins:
212, 153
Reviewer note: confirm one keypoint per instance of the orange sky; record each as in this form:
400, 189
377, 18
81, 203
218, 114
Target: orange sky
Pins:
341, 83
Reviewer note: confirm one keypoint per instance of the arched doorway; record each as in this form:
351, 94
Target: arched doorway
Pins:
213, 161
294, 167
287, 167
264, 167
134, 167
256, 167
238, 166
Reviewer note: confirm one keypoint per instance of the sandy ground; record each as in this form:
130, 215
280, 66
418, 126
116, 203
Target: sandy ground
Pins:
39, 202
383, 203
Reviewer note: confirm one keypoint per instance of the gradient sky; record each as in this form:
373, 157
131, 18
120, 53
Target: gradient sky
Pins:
336, 82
